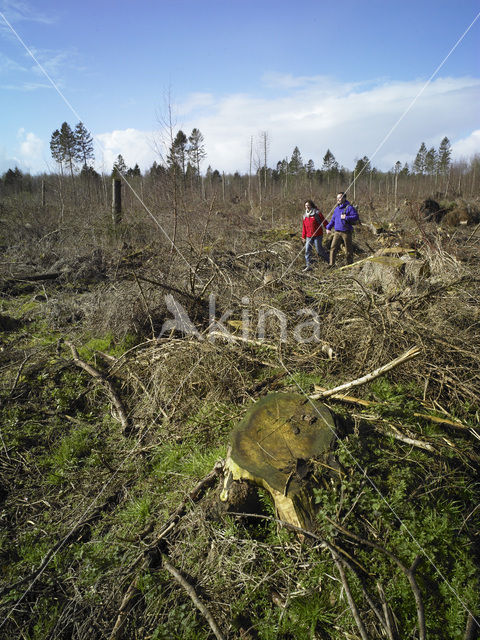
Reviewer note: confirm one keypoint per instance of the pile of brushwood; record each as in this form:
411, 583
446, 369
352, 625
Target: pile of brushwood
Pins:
125, 363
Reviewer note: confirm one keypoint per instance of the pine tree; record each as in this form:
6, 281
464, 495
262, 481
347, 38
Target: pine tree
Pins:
363, 166
62, 147
56, 149
329, 162
156, 170
119, 167
83, 145
310, 168
295, 166
431, 161
67, 144
419, 162
13, 179
177, 157
405, 170
135, 172
196, 150
444, 154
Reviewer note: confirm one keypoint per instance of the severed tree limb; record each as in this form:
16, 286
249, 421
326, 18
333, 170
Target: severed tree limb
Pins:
346, 586
409, 572
193, 496
408, 355
393, 432
371, 403
390, 625
118, 404
472, 630
168, 287
194, 597
142, 559
345, 398
383, 621
26, 277
124, 609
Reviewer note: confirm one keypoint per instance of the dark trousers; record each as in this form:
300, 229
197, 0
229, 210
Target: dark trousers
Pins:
340, 237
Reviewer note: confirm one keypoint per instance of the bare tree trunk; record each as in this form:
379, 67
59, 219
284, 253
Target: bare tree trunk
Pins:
250, 174
116, 201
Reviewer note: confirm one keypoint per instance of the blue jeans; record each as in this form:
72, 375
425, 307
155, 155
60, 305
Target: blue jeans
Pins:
317, 243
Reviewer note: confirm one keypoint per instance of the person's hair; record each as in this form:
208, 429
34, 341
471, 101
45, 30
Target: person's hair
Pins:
311, 204
341, 193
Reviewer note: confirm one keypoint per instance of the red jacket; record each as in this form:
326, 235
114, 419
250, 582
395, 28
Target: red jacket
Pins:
313, 223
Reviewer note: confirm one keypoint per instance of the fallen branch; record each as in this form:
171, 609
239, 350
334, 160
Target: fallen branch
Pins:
345, 398
31, 277
371, 403
124, 609
142, 558
448, 423
19, 373
118, 404
381, 252
194, 495
168, 287
408, 355
409, 572
346, 586
393, 432
389, 621
194, 597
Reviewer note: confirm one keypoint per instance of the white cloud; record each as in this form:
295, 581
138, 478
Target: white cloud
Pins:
8, 65
6, 161
26, 86
135, 146
17, 11
387, 121
30, 150
196, 101
467, 147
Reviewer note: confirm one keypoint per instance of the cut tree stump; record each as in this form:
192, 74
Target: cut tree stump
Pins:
282, 444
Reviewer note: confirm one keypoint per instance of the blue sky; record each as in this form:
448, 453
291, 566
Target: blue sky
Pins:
351, 76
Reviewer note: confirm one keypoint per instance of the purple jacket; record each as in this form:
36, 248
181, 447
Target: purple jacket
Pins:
343, 225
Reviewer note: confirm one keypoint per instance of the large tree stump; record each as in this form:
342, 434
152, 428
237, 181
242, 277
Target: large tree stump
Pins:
282, 444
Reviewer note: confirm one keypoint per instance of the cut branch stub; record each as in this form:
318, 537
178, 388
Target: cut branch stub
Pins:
273, 447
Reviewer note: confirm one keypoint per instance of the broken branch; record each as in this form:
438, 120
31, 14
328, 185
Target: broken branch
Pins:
194, 597
408, 355
118, 404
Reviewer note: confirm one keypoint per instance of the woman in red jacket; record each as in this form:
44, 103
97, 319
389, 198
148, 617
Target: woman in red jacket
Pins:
312, 233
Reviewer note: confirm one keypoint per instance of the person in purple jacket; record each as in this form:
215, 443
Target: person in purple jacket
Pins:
343, 217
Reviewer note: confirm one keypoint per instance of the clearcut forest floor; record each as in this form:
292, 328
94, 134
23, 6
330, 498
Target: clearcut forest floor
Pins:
98, 465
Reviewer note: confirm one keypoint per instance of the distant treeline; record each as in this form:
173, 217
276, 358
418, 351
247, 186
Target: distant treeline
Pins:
180, 170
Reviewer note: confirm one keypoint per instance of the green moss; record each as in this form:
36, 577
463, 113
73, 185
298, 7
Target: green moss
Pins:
107, 344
